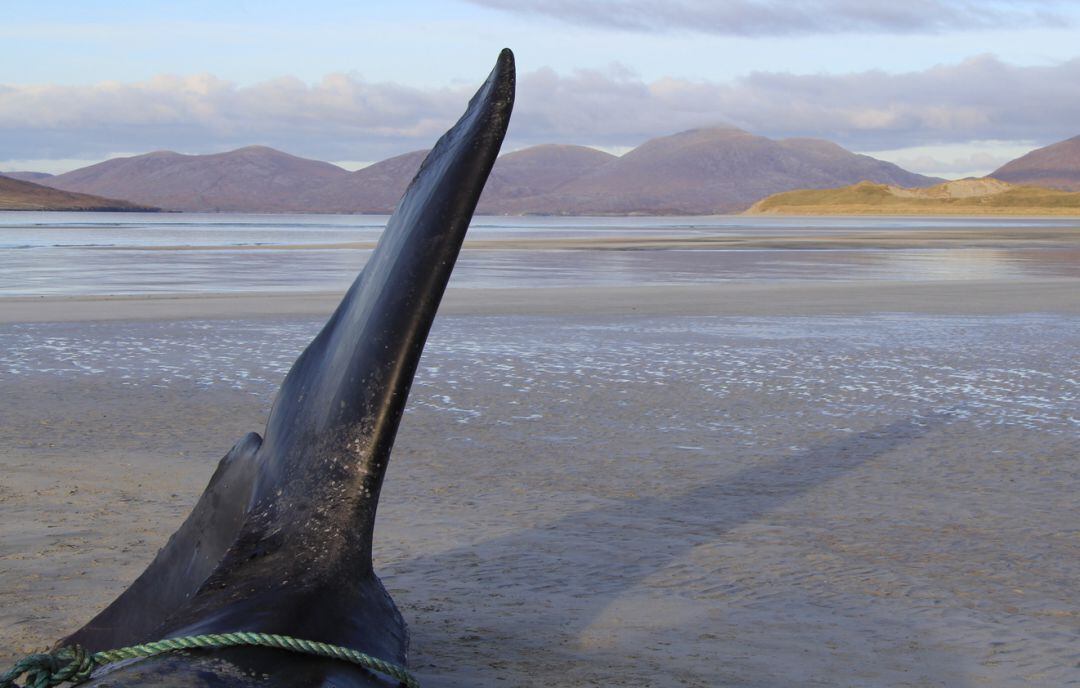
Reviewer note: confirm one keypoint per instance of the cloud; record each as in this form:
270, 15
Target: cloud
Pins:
786, 18
981, 98
343, 117
970, 159
950, 166
340, 116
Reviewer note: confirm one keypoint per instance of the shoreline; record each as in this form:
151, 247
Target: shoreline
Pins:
795, 297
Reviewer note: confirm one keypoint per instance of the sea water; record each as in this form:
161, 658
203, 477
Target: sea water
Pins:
48, 253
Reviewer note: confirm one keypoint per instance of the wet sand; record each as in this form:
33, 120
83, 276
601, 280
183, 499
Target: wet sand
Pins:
850, 297
663, 486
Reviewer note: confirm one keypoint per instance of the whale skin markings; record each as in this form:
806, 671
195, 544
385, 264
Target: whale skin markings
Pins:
280, 541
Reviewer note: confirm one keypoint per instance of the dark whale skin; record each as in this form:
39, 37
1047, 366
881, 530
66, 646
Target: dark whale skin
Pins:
281, 539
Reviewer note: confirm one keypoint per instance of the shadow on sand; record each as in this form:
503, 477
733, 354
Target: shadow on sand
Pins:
513, 610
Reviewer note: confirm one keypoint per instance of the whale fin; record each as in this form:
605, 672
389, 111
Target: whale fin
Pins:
281, 539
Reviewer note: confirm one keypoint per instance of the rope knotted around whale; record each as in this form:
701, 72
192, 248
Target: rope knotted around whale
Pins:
73, 664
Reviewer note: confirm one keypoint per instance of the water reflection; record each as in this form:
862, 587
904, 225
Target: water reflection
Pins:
76, 253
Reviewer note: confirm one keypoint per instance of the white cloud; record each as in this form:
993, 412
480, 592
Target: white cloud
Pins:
340, 116
344, 117
784, 17
981, 98
352, 165
957, 160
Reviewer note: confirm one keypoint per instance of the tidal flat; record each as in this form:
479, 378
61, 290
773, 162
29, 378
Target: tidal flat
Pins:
761, 481
683, 500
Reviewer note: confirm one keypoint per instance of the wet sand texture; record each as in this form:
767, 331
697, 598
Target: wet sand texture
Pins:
848, 297
620, 500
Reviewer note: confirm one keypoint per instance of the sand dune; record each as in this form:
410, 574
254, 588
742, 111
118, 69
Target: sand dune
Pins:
962, 197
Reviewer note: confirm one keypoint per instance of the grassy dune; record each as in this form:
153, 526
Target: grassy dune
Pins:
962, 197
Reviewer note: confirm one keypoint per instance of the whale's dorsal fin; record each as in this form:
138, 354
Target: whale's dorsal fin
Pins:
289, 514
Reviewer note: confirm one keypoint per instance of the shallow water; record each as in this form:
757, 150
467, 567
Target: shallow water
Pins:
131, 253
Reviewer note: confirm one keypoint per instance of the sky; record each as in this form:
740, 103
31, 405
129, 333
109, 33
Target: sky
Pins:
944, 87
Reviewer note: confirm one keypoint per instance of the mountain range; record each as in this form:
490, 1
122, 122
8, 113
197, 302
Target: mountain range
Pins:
251, 179
706, 171
702, 171
1056, 166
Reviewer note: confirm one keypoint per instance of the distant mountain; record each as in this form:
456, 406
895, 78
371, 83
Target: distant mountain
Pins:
984, 196
374, 189
521, 179
16, 194
696, 172
252, 179
1056, 166
719, 170
35, 177
517, 176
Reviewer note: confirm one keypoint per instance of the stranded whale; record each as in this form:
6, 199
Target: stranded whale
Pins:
280, 541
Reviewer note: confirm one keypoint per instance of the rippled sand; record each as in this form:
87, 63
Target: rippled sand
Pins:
856, 499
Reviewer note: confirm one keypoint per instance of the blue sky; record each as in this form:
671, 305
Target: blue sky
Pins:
944, 87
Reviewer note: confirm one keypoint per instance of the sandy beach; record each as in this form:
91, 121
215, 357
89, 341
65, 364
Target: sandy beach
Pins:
852, 297
630, 345
744, 484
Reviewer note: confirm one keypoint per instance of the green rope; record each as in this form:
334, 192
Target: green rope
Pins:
74, 664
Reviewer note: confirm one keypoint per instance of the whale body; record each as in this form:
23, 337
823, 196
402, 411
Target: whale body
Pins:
281, 539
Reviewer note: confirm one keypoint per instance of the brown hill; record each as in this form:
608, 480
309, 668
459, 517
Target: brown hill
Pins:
701, 171
36, 177
1056, 166
374, 189
251, 179
16, 194
986, 196
706, 171
517, 176
521, 179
